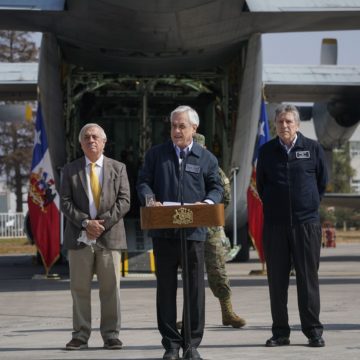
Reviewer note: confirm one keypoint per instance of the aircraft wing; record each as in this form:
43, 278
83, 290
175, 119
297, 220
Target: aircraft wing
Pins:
310, 83
151, 36
18, 81
302, 6
334, 89
351, 201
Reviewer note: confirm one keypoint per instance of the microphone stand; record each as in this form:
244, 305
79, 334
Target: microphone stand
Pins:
187, 352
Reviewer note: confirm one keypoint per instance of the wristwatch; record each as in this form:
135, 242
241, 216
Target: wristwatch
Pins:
85, 223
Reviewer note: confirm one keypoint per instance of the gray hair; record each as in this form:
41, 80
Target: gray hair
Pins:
192, 114
90, 125
285, 108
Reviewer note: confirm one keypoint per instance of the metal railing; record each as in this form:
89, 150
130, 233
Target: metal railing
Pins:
12, 225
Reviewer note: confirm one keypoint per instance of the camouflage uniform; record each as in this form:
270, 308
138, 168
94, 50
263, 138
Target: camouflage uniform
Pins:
215, 251
215, 258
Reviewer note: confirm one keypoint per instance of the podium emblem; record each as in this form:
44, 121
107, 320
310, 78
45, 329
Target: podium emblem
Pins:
183, 216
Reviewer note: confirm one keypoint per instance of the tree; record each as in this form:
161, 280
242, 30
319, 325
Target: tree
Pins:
327, 214
342, 170
16, 138
17, 46
17, 142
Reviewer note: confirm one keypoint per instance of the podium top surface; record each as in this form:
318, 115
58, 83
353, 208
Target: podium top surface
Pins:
167, 217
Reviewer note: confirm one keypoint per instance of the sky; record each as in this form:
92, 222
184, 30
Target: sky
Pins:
304, 47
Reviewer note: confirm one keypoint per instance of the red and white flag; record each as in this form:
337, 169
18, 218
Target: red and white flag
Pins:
43, 199
255, 207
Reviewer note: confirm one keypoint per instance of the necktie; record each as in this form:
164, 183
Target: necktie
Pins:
181, 157
95, 185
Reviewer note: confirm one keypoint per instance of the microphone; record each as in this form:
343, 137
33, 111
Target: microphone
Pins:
181, 176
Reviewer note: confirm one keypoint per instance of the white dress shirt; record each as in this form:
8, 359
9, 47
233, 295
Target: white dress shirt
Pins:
99, 168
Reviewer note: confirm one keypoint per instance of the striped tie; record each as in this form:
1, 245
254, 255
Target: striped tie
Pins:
95, 185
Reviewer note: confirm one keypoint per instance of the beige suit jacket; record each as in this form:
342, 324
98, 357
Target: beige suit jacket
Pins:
114, 203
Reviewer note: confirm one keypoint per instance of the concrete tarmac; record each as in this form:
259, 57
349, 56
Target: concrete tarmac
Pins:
36, 322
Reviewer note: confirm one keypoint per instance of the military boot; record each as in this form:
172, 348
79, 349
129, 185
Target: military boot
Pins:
228, 315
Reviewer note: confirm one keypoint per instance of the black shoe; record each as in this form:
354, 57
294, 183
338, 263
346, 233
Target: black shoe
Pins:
76, 344
179, 325
113, 344
316, 341
194, 354
277, 341
171, 354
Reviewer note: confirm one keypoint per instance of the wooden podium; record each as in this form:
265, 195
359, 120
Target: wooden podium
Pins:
183, 216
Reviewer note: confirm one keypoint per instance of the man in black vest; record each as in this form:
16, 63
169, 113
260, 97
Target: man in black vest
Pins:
291, 178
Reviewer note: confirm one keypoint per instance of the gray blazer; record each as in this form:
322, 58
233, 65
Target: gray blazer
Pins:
114, 203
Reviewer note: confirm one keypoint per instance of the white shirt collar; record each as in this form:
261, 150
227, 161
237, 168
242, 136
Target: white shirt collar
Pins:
187, 149
98, 162
288, 148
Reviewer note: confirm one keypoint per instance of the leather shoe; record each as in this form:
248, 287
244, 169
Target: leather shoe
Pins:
277, 341
113, 344
194, 354
76, 344
171, 354
316, 341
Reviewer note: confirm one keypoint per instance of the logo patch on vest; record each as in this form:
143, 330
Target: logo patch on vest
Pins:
302, 154
192, 168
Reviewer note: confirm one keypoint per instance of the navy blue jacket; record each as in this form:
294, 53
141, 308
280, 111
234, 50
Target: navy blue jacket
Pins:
160, 176
291, 185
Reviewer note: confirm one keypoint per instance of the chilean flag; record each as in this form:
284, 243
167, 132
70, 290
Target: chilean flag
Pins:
255, 208
43, 199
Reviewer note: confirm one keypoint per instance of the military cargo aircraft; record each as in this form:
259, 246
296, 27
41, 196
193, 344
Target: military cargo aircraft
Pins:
127, 64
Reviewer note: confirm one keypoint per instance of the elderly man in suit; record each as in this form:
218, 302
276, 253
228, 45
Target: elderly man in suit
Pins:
180, 166
95, 197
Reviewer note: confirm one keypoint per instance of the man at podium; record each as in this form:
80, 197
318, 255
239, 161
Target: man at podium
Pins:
180, 170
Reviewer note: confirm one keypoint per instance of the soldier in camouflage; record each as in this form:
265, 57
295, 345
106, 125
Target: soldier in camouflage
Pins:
215, 258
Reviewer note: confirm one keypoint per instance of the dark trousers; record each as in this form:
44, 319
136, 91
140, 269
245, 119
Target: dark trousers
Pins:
167, 253
302, 243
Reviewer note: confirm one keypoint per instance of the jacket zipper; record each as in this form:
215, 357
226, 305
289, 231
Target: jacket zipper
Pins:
288, 178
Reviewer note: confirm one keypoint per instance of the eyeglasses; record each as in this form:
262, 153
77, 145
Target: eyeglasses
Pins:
180, 127
89, 137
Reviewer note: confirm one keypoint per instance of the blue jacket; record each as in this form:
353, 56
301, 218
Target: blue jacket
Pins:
160, 176
291, 185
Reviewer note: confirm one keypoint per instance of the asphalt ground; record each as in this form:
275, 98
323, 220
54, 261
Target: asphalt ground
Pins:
35, 314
